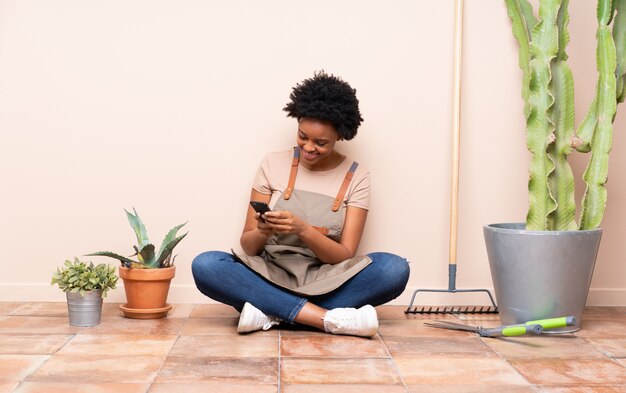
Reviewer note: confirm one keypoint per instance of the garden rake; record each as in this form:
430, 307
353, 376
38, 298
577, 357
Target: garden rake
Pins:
458, 34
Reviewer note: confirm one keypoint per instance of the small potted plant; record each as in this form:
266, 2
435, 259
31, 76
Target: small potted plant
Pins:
84, 285
147, 279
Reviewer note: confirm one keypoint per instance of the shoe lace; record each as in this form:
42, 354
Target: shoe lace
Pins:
271, 321
345, 321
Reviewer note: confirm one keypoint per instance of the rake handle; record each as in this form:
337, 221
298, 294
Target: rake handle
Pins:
456, 131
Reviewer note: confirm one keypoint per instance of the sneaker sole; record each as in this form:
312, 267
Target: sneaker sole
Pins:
370, 315
244, 319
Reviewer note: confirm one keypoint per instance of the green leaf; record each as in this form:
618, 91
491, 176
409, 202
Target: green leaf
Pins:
147, 257
79, 276
139, 228
168, 249
171, 235
111, 255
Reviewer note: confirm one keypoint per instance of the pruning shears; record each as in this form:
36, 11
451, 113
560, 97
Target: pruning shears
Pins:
530, 327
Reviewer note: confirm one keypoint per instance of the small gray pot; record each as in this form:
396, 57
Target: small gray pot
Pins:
541, 274
84, 310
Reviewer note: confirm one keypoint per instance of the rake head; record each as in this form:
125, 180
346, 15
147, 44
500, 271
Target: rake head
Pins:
493, 309
452, 310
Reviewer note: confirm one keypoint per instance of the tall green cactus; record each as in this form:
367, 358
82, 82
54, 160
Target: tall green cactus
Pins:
548, 92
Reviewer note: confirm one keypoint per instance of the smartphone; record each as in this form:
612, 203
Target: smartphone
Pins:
260, 207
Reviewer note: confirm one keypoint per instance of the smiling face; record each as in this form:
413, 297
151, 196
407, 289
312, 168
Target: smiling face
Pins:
317, 140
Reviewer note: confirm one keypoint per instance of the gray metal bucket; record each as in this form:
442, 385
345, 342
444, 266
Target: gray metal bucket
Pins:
84, 310
541, 274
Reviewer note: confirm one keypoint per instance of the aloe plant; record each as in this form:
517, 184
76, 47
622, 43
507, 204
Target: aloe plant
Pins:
548, 92
147, 258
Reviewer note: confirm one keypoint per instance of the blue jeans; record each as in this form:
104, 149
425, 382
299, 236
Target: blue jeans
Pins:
222, 277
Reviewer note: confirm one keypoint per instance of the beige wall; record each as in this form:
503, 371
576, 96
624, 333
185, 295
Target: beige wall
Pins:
168, 106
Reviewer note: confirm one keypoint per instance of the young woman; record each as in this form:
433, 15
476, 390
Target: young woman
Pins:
300, 263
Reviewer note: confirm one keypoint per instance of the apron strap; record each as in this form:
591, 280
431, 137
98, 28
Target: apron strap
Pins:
322, 230
344, 186
293, 173
292, 181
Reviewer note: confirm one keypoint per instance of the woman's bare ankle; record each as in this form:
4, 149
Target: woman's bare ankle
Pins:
311, 315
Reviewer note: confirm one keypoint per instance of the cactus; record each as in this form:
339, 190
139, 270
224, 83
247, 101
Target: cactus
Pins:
548, 93
144, 250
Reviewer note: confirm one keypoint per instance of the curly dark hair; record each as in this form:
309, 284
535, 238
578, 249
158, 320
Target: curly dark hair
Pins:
328, 98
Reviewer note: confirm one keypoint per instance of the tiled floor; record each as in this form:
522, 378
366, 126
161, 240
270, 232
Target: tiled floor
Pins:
196, 349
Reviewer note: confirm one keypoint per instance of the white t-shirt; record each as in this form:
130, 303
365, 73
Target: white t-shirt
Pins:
273, 175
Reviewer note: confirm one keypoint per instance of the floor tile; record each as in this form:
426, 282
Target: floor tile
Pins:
343, 388
214, 311
219, 369
392, 312
603, 312
226, 346
112, 310
300, 330
14, 368
570, 371
612, 347
582, 389
416, 328
123, 325
209, 387
464, 370
7, 307
621, 361
218, 327
7, 387
333, 346
406, 347
480, 319
45, 309
452, 388
338, 371
96, 368
603, 328
179, 310
119, 345
561, 346
40, 344
60, 387
36, 325
197, 349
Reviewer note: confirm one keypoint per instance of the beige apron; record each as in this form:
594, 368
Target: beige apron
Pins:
287, 261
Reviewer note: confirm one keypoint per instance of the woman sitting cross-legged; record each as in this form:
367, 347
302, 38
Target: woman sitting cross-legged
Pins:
299, 264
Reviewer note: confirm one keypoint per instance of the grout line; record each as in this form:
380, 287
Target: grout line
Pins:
180, 332
393, 361
280, 335
483, 339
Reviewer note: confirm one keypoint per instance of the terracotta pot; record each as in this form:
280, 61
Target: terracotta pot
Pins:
146, 291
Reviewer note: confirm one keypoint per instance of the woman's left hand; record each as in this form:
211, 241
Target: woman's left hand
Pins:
286, 222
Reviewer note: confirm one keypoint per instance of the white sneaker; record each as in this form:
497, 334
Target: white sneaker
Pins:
253, 319
351, 321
